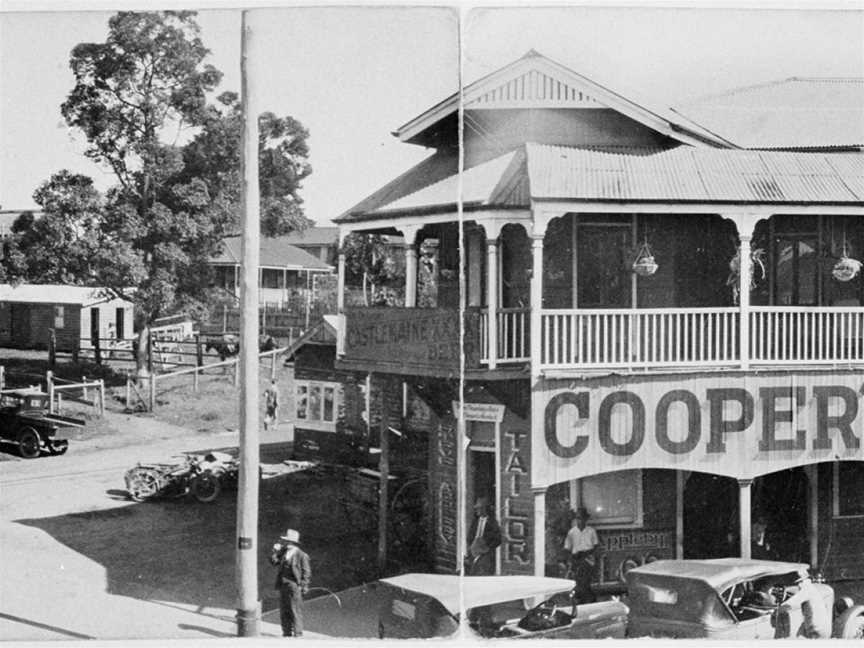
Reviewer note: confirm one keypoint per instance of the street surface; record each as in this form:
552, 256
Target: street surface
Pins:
82, 561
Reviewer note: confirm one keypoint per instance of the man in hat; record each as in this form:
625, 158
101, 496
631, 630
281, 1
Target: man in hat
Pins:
581, 545
484, 537
292, 581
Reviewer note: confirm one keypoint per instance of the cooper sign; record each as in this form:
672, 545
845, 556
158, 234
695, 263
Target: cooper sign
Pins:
741, 426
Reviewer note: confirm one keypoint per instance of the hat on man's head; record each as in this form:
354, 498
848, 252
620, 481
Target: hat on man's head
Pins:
291, 535
581, 513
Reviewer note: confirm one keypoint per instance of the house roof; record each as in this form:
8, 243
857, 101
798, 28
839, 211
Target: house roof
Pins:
313, 236
274, 253
793, 113
682, 174
53, 294
536, 81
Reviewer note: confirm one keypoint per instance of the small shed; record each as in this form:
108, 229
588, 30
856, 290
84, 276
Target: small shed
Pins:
78, 315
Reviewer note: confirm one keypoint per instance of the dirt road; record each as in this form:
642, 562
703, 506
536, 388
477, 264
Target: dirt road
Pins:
82, 561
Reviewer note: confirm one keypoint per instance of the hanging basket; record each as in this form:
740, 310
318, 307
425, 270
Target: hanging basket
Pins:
846, 269
645, 265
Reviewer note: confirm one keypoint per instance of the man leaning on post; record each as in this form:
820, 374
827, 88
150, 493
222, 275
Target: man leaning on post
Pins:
292, 581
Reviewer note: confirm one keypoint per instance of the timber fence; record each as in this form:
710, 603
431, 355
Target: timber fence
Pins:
150, 383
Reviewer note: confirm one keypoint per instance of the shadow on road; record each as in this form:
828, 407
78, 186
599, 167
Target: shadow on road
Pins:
182, 551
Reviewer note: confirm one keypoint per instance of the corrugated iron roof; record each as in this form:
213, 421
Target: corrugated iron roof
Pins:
478, 187
685, 173
274, 253
794, 113
695, 174
313, 236
53, 294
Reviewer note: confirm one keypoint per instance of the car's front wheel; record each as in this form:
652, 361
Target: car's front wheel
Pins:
205, 486
29, 444
850, 624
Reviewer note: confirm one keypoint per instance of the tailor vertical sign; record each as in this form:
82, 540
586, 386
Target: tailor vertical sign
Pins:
741, 425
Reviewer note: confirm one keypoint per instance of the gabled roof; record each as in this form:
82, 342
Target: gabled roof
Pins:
54, 294
274, 253
324, 333
535, 81
683, 174
793, 113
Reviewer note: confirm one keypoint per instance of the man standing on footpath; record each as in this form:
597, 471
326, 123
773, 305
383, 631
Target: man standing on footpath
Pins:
484, 536
271, 405
581, 544
292, 581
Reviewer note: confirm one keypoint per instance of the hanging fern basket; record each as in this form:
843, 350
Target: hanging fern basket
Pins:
645, 265
846, 269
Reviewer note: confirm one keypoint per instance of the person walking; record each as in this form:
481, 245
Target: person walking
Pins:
292, 580
582, 544
484, 537
271, 405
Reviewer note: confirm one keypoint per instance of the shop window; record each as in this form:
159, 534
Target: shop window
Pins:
613, 499
59, 317
848, 487
317, 403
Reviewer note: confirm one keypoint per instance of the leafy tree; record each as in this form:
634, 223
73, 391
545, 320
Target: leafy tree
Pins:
135, 96
370, 260
63, 245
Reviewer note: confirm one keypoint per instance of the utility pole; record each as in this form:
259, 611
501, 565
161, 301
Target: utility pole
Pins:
248, 605
384, 470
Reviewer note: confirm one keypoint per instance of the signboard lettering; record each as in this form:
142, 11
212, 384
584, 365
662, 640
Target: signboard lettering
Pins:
755, 425
515, 520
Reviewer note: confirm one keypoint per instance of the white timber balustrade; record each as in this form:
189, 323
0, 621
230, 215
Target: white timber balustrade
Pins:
784, 335
640, 338
511, 335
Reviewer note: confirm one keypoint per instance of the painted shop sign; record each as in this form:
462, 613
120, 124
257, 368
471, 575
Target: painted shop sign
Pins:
742, 426
515, 518
408, 341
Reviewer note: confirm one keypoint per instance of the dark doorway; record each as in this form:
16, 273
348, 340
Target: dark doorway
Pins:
94, 326
120, 331
603, 278
480, 480
781, 498
710, 516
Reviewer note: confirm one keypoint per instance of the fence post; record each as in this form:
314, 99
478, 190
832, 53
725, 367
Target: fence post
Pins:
97, 351
52, 348
224, 318
236, 371
59, 403
152, 398
84, 386
102, 397
273, 365
128, 391
49, 386
199, 351
2, 377
195, 379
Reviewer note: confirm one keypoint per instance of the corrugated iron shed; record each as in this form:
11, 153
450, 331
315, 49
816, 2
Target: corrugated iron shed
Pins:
53, 294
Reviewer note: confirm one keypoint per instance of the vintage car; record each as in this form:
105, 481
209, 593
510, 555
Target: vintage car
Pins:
26, 421
734, 598
519, 607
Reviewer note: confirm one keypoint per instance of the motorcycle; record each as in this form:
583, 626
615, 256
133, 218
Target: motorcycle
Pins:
204, 476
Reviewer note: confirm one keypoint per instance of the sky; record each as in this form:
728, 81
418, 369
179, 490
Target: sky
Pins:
352, 75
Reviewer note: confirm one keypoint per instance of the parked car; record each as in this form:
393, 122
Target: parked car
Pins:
734, 598
519, 607
26, 421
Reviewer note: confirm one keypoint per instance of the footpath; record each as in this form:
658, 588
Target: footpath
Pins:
48, 591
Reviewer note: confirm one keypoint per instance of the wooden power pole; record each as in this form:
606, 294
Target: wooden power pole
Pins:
248, 605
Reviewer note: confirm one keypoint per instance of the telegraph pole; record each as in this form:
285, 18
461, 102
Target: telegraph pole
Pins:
248, 605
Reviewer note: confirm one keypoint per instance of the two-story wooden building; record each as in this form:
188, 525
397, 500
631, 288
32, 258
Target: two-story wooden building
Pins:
651, 313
